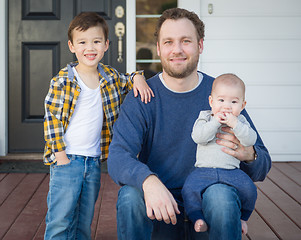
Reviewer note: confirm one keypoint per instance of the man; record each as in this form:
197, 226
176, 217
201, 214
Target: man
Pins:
152, 152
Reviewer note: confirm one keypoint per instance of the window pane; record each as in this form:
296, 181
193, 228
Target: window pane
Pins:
145, 30
148, 12
146, 50
153, 6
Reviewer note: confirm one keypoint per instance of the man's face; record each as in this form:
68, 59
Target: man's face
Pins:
179, 48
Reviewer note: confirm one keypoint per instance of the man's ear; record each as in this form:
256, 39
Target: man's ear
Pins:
158, 49
201, 46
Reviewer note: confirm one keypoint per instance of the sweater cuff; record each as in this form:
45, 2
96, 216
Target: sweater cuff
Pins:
142, 178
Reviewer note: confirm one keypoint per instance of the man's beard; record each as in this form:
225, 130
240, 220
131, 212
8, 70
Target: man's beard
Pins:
184, 71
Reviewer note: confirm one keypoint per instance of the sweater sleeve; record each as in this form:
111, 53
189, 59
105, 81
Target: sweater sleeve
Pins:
129, 131
259, 168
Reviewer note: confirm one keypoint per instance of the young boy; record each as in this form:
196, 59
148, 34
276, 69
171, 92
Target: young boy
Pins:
80, 108
213, 166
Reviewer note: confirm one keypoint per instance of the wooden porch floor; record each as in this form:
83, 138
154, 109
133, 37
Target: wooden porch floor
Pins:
23, 206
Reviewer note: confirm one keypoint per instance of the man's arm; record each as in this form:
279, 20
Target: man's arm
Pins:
130, 131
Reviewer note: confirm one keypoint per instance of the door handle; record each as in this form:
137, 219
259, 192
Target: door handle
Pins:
119, 31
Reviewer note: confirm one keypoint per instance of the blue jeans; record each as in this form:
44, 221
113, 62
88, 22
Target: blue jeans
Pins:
73, 191
221, 210
200, 178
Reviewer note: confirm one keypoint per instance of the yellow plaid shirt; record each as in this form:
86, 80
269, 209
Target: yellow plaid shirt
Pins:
60, 103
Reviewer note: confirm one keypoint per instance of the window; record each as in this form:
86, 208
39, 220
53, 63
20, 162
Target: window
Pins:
147, 14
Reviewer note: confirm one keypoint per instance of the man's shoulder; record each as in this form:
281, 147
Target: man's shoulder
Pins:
206, 76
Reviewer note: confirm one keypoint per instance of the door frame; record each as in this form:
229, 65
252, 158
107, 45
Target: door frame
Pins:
3, 78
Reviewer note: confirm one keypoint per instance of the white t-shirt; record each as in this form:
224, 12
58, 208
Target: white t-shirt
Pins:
84, 130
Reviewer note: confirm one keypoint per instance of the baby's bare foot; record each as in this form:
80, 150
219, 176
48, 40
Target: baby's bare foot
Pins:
244, 227
200, 226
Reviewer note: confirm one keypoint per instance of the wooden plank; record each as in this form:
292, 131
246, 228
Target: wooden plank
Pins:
17, 200
28, 222
291, 172
40, 233
281, 225
107, 225
2, 175
8, 184
258, 229
98, 205
286, 184
296, 165
288, 205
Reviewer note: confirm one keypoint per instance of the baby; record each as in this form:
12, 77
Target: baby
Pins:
213, 166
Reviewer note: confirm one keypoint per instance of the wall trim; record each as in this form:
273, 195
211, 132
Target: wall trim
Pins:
3, 77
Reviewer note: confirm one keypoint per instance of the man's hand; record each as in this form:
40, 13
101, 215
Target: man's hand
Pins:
140, 86
233, 147
160, 204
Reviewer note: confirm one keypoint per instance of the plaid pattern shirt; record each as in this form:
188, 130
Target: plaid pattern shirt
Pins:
60, 103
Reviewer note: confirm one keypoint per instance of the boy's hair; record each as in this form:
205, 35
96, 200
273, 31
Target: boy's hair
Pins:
179, 13
229, 79
85, 20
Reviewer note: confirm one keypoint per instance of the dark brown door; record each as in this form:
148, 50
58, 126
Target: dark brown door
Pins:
38, 50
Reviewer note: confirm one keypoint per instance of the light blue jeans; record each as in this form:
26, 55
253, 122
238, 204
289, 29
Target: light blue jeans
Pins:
221, 210
73, 191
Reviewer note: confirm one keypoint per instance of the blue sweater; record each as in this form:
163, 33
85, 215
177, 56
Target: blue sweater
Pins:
159, 133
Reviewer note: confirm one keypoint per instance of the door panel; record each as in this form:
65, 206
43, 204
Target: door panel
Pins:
37, 51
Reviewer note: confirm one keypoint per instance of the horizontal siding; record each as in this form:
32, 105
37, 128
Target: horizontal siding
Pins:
255, 8
276, 97
270, 28
260, 41
249, 51
270, 120
258, 74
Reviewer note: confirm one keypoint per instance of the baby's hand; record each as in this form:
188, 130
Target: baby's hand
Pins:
229, 119
220, 117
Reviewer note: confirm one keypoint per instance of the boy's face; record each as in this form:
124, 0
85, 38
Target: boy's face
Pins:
227, 99
89, 46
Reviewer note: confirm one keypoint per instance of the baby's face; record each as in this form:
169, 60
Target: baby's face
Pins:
227, 99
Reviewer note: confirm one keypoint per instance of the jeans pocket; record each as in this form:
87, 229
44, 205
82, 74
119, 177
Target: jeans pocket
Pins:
97, 163
55, 165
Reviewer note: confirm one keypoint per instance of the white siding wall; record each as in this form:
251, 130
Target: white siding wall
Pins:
260, 41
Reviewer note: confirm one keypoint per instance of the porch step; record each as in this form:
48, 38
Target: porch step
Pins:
23, 163
27, 163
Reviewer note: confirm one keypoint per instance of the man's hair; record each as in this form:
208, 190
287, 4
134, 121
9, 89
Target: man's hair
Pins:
85, 20
179, 13
229, 79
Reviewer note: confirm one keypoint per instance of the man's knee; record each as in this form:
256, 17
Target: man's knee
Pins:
221, 200
130, 198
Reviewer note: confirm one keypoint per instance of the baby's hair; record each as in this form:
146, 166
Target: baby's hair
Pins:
85, 20
229, 79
